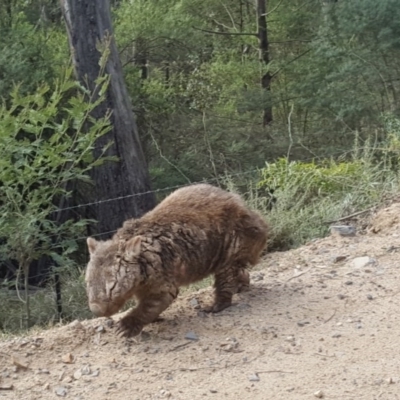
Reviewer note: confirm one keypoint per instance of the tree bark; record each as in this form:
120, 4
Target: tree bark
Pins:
263, 45
88, 22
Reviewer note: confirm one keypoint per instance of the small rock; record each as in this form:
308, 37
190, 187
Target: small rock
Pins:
341, 296
254, 378
95, 373
77, 374
194, 303
75, 325
369, 297
43, 371
231, 347
319, 394
390, 381
348, 283
213, 391
6, 387
337, 259
302, 323
343, 230
61, 391
202, 314
100, 329
110, 323
191, 336
165, 393
46, 386
336, 335
86, 370
361, 262
19, 363
67, 379
67, 358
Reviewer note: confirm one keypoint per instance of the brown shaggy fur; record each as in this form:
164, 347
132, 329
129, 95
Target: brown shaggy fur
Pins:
196, 231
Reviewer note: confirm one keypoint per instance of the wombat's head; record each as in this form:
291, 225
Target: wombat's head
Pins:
111, 274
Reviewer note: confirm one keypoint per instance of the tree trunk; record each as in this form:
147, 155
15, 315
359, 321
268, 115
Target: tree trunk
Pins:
88, 22
263, 46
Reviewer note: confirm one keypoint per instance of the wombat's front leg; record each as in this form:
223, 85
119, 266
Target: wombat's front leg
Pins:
147, 311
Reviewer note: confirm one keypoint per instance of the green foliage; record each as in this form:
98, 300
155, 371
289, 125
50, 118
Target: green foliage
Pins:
313, 180
43, 150
310, 194
29, 55
43, 303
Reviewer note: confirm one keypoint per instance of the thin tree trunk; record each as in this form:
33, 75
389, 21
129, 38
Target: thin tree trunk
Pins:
264, 56
25, 268
88, 22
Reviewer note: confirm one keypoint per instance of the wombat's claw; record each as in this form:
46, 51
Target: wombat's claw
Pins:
243, 288
215, 308
128, 328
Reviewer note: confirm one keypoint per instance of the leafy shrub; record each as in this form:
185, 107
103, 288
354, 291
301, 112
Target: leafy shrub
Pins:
46, 142
309, 195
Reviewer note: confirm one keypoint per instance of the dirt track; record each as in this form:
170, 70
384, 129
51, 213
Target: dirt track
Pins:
318, 323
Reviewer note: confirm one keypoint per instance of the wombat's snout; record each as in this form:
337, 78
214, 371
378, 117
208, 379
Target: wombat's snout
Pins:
99, 311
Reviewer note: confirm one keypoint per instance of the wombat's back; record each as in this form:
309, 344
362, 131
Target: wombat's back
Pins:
201, 205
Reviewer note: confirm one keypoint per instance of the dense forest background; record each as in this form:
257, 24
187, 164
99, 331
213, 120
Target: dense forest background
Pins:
294, 97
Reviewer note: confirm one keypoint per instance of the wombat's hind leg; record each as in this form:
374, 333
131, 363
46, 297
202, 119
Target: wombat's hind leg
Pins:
243, 280
148, 310
226, 285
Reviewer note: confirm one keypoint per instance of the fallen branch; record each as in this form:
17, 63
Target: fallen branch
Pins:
273, 371
180, 346
299, 274
330, 317
324, 355
350, 216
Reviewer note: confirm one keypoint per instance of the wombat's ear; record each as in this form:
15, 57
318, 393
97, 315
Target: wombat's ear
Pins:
92, 244
132, 248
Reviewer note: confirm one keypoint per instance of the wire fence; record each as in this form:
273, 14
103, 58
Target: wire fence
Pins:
216, 179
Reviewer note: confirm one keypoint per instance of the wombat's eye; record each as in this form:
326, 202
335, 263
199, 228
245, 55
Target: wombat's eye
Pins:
118, 256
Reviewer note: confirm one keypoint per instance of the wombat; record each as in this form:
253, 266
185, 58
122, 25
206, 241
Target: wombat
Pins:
196, 231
